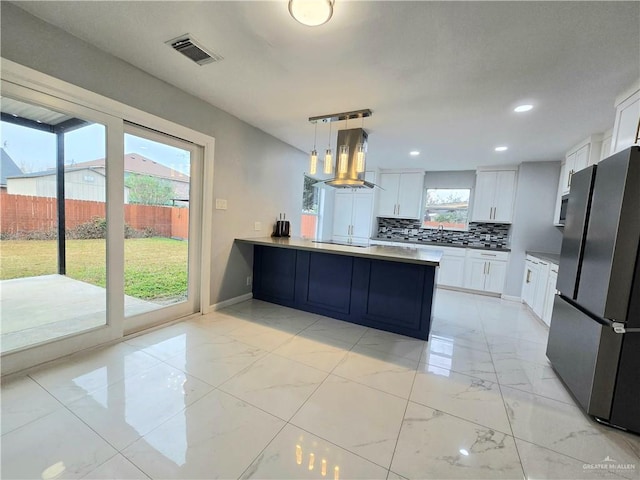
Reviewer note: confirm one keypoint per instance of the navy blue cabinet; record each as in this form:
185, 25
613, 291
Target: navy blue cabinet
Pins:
387, 295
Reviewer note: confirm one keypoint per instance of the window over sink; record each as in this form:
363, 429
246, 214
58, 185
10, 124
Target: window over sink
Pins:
448, 207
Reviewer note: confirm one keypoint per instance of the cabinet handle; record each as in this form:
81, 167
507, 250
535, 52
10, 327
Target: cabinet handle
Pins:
398, 209
488, 268
488, 255
571, 172
528, 276
484, 270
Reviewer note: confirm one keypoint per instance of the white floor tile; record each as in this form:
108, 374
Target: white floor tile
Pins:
443, 354
540, 462
566, 429
117, 467
433, 444
24, 401
131, 408
276, 384
358, 418
216, 437
55, 446
471, 398
215, 363
84, 373
377, 369
296, 454
321, 353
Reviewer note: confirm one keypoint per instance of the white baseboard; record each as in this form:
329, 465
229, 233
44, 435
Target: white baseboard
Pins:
231, 301
511, 298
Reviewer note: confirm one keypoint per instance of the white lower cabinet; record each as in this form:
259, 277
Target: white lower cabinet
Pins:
539, 286
452, 264
485, 271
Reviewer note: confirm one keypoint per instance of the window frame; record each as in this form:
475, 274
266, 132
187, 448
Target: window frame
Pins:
446, 226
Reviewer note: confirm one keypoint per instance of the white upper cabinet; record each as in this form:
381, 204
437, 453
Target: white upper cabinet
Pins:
494, 195
627, 122
583, 155
401, 194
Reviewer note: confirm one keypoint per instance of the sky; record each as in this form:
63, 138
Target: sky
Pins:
35, 151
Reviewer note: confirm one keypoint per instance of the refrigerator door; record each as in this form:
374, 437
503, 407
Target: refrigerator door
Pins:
613, 237
574, 230
585, 355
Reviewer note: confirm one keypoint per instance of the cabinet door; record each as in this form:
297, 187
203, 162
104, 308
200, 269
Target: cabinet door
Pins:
388, 196
528, 282
342, 213
626, 123
484, 196
475, 273
551, 292
541, 289
362, 212
564, 178
496, 274
451, 271
410, 195
582, 158
504, 192
570, 164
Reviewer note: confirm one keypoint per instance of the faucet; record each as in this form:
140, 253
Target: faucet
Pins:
440, 231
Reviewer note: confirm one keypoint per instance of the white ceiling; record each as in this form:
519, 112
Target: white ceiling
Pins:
440, 77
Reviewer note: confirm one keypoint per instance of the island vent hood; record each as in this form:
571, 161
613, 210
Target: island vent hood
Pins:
351, 178
356, 140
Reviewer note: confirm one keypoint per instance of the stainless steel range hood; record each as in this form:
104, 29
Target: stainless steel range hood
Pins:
351, 178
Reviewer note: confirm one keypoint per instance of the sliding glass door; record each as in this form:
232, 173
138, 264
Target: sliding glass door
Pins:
161, 236
100, 227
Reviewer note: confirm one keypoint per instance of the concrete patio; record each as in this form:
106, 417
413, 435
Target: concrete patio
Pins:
34, 310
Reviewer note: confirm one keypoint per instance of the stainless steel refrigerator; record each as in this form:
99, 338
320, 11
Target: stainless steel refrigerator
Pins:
594, 337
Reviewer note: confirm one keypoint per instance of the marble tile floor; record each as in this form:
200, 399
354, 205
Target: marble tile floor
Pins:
266, 392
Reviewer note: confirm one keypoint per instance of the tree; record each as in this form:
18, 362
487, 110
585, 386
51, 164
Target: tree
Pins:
310, 195
148, 190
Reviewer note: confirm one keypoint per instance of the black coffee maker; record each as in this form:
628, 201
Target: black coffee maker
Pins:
282, 227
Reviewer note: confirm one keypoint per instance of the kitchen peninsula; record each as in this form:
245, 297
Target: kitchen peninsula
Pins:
389, 288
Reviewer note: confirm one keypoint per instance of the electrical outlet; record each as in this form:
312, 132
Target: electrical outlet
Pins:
257, 226
221, 203
249, 280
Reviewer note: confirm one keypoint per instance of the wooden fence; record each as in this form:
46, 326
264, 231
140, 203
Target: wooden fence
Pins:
24, 214
308, 225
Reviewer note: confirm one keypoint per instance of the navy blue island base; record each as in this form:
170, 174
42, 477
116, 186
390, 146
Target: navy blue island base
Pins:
384, 294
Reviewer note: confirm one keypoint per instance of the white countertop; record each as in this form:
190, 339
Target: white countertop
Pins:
377, 252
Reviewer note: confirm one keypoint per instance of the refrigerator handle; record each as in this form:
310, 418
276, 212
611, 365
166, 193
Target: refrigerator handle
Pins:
620, 328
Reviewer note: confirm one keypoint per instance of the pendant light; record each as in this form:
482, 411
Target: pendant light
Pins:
328, 156
360, 153
313, 168
343, 157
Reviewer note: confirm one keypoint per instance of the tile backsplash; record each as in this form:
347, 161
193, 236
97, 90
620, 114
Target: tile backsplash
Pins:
489, 235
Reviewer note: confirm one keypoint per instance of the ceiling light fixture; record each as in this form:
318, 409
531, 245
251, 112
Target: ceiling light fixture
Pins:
328, 156
343, 156
361, 151
311, 12
414, 153
501, 148
523, 108
313, 168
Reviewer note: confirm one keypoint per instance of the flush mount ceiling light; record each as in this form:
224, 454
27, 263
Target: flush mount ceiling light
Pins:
523, 108
501, 148
311, 12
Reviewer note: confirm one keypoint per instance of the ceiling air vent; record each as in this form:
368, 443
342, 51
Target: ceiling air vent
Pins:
191, 49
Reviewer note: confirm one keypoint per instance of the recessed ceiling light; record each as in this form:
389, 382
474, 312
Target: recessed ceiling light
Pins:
414, 153
523, 108
501, 148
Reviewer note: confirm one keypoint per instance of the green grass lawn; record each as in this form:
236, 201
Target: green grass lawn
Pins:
155, 268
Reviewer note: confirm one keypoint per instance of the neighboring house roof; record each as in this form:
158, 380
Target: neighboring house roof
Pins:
8, 168
136, 163
51, 171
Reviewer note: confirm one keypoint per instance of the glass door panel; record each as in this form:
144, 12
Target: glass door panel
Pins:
53, 226
160, 271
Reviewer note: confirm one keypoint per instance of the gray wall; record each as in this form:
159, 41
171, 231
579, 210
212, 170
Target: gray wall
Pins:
259, 175
532, 227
